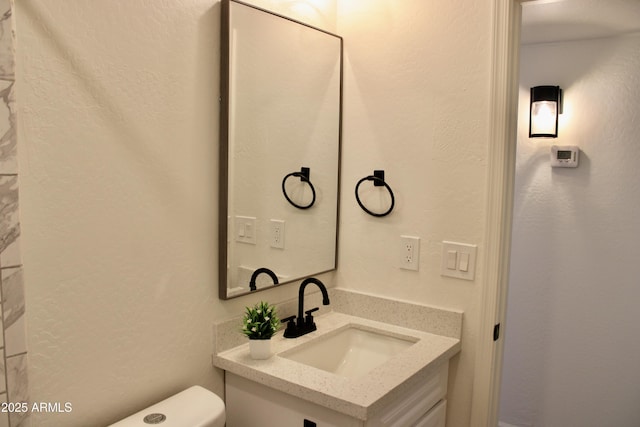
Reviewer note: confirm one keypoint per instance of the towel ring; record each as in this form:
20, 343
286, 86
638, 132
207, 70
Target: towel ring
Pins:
304, 177
378, 181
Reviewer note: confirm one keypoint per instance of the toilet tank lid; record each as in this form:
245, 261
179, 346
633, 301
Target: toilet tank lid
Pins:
193, 407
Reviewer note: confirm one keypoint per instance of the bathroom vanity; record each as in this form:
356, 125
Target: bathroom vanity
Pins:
387, 365
420, 406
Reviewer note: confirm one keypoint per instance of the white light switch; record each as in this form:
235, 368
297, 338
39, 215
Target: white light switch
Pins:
464, 262
245, 229
458, 260
452, 260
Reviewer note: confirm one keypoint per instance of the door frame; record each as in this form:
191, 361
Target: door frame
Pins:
503, 118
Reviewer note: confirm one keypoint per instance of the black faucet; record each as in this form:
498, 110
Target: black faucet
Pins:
303, 325
254, 276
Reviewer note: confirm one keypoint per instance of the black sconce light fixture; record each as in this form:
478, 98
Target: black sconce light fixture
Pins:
546, 104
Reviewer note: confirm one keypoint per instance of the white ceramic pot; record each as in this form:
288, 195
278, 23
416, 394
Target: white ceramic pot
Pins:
260, 349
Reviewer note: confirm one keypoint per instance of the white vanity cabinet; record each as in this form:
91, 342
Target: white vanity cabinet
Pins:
386, 383
249, 403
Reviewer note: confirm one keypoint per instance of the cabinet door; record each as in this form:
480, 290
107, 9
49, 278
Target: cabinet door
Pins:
251, 404
436, 417
412, 405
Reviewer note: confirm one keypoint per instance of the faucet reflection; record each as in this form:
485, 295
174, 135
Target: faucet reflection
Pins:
254, 276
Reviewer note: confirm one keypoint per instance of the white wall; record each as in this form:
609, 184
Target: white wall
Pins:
118, 130
117, 123
118, 155
416, 105
571, 335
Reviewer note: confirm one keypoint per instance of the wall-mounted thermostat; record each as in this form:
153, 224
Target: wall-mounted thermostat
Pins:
564, 156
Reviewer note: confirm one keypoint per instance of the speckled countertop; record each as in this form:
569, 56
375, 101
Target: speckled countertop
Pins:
358, 397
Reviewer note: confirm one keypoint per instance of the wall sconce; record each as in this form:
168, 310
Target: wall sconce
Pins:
546, 104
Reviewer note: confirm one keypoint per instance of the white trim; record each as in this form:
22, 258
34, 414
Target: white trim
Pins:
499, 204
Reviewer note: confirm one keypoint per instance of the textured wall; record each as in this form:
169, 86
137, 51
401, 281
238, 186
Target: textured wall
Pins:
118, 105
572, 340
416, 103
118, 131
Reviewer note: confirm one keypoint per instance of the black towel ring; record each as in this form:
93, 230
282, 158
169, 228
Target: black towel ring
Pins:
378, 181
304, 177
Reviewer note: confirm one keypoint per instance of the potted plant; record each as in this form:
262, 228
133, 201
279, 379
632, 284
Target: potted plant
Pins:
260, 322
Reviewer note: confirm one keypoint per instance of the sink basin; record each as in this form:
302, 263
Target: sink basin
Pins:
350, 351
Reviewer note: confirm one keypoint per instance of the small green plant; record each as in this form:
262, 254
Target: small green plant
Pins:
260, 322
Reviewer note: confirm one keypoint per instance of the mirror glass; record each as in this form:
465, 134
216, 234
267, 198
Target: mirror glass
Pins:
281, 93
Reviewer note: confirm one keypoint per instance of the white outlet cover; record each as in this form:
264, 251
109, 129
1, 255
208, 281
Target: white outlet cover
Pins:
409, 253
462, 250
277, 233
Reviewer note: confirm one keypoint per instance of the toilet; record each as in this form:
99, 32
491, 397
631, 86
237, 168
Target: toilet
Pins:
193, 407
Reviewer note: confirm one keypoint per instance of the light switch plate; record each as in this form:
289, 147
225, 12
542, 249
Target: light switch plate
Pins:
245, 229
464, 261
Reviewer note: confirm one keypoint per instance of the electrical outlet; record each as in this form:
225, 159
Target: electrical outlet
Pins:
409, 252
277, 233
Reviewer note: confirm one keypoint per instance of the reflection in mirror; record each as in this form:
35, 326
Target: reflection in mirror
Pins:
281, 92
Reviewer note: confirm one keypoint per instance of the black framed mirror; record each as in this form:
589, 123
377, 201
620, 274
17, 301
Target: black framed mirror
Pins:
280, 138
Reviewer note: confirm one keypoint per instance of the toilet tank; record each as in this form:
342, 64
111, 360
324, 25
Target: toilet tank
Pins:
193, 407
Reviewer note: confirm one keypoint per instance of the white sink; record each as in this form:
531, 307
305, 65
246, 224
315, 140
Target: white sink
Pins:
351, 351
